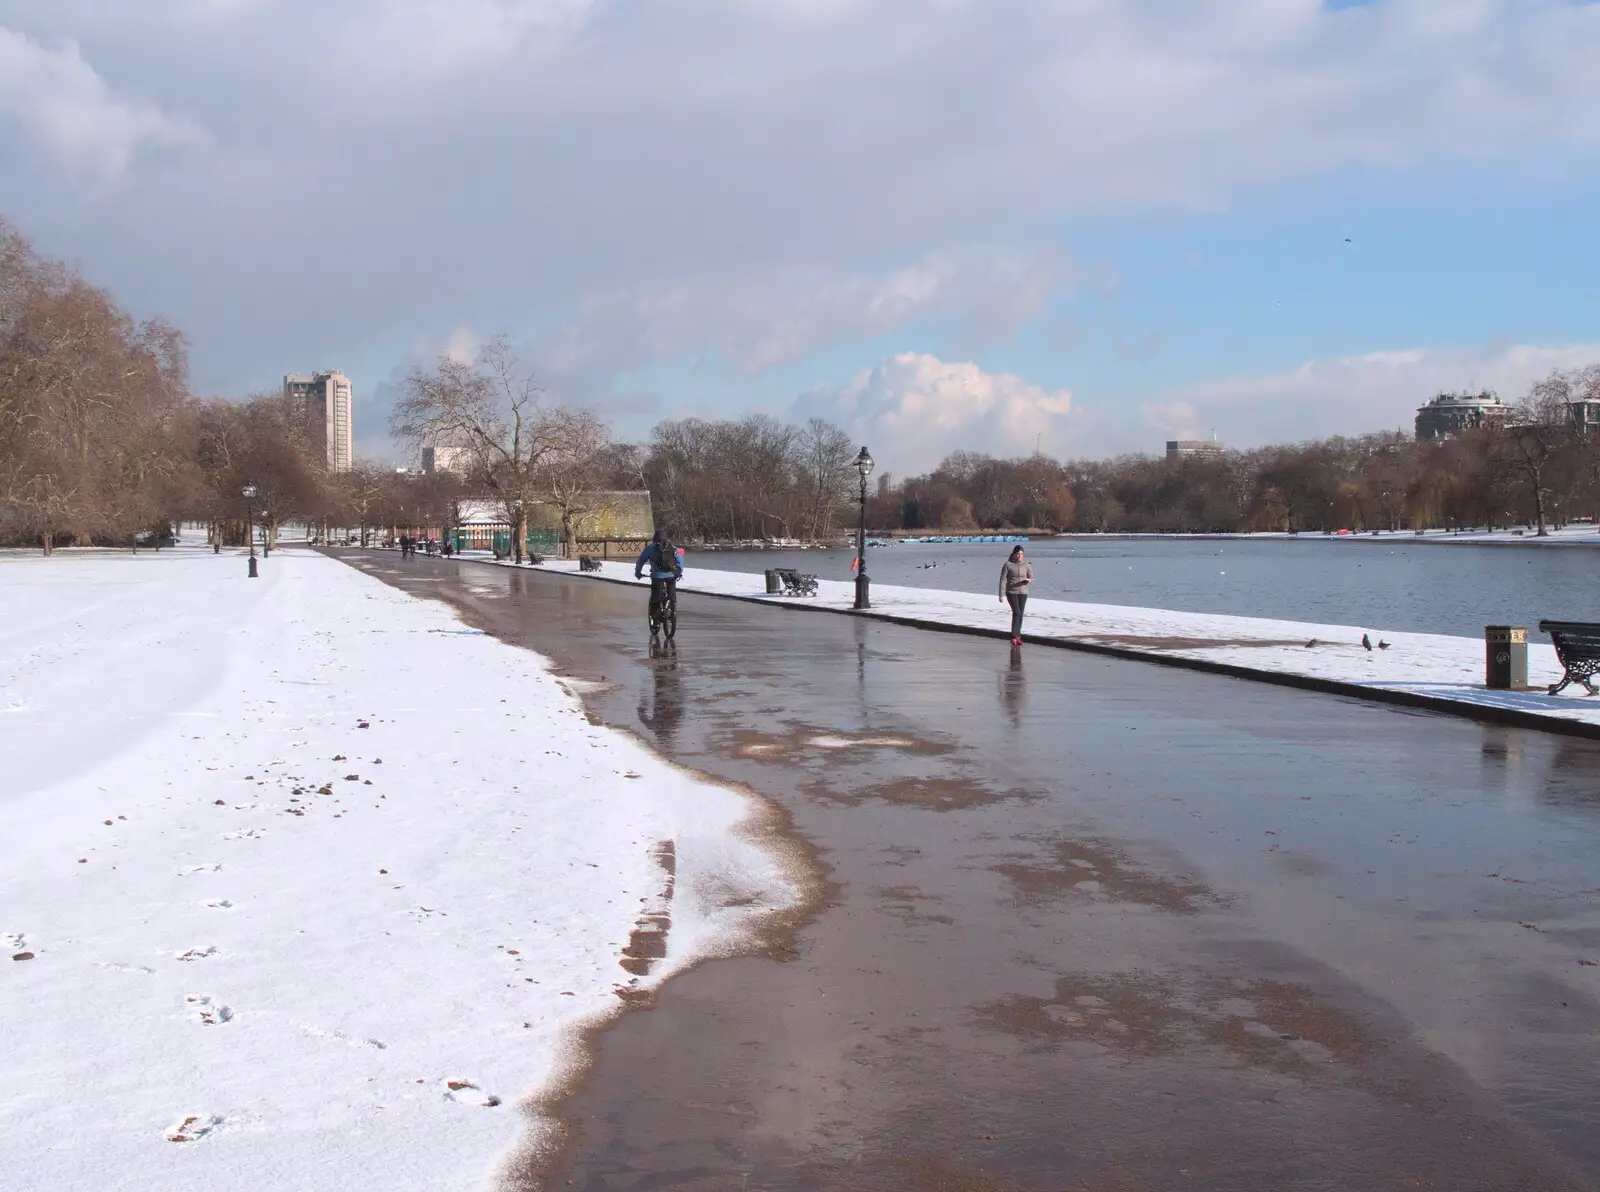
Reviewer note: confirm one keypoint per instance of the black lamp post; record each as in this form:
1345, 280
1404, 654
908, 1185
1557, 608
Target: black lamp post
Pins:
249, 525
863, 584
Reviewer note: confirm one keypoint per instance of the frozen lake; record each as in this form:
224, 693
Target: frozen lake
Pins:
1392, 582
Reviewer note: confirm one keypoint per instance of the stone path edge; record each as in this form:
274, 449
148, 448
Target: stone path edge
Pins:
1409, 699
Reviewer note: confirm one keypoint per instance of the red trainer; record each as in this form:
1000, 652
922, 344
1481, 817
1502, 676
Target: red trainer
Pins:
1016, 641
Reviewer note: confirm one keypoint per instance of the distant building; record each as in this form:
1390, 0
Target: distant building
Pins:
1450, 415
445, 459
1586, 414
330, 405
1188, 448
616, 520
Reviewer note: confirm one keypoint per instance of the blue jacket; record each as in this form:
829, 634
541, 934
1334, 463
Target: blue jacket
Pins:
671, 568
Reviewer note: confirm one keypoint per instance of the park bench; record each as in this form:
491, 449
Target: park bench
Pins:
1578, 647
588, 563
797, 583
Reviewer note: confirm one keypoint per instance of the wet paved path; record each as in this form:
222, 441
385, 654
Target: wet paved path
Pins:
1094, 924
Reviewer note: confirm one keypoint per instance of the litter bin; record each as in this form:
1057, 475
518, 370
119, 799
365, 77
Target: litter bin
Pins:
772, 583
1505, 651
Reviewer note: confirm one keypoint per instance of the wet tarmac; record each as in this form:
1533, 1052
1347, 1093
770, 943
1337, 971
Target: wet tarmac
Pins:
1091, 924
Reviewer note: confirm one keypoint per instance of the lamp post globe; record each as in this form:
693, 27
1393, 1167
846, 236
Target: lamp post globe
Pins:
863, 465
249, 494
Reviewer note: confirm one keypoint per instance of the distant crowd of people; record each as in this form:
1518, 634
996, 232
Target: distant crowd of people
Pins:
430, 546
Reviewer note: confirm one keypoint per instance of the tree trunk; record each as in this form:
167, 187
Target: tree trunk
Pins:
518, 534
49, 542
1538, 509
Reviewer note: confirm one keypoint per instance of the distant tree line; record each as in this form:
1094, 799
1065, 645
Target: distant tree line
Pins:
93, 408
101, 443
1541, 468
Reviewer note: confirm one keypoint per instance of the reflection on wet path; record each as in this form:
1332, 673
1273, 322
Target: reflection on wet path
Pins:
1098, 925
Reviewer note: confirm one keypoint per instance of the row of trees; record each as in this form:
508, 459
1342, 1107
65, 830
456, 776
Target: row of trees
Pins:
1541, 468
754, 478
102, 443
93, 407
711, 480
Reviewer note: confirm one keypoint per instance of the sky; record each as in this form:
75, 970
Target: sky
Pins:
1079, 226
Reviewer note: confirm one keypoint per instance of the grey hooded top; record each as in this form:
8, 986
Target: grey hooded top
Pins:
1015, 578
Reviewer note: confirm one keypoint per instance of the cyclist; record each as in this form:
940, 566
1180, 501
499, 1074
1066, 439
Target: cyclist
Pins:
666, 569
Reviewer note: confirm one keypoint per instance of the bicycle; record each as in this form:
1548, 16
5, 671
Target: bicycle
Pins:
664, 611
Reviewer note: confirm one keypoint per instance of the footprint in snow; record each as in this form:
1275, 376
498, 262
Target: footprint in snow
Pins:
217, 868
207, 1012
192, 1127
12, 941
244, 834
218, 904
316, 1032
464, 1092
198, 953
117, 966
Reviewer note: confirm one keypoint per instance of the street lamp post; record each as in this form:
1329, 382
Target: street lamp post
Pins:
863, 584
249, 526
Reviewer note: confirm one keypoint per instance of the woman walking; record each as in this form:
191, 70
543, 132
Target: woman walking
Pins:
1016, 573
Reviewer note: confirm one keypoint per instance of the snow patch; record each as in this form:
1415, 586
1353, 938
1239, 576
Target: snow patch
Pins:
461, 919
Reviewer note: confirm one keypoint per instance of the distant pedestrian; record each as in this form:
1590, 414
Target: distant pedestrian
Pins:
1016, 574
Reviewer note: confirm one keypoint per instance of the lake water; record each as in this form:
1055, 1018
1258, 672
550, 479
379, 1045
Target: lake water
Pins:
1383, 583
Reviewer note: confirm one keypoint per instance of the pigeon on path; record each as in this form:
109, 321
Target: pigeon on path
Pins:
1383, 645
1366, 642
1311, 643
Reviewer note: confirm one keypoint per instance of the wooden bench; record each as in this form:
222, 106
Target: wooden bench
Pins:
797, 583
1578, 647
588, 563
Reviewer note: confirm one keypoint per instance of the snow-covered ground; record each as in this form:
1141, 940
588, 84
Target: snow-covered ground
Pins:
1433, 665
1570, 535
304, 884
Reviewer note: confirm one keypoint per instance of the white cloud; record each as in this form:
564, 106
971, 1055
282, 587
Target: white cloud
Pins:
1172, 420
443, 37
736, 179
462, 346
59, 99
914, 409
754, 321
1350, 395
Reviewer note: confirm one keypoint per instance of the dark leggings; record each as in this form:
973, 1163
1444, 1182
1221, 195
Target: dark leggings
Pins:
662, 590
1018, 602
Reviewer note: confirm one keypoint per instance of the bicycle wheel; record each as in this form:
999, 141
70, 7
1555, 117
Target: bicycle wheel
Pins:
669, 619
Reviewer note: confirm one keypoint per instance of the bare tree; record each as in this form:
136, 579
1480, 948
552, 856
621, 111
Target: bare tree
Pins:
492, 409
366, 492
93, 408
826, 457
1537, 441
571, 469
